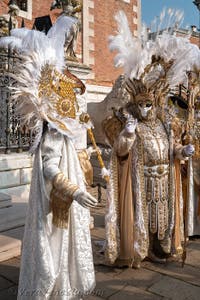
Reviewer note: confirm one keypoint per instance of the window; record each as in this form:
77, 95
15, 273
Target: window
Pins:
25, 9
23, 4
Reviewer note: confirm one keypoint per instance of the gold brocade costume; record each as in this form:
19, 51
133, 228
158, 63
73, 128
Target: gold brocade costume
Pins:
150, 180
148, 202
156, 174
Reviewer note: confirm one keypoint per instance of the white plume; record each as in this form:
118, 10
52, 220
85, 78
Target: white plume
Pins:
58, 34
135, 53
128, 47
20, 32
12, 42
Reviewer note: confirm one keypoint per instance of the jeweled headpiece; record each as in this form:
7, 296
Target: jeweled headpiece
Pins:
138, 91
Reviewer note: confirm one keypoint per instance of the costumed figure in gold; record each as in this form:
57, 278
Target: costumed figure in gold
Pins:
145, 204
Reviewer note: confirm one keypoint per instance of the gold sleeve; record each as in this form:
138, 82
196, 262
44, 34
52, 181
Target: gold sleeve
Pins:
64, 186
61, 198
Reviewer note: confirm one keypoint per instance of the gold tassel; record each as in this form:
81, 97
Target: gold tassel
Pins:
86, 166
60, 208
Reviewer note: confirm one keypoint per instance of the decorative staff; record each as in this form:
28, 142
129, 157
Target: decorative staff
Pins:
85, 118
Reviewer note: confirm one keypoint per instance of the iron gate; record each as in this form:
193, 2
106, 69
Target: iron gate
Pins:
13, 136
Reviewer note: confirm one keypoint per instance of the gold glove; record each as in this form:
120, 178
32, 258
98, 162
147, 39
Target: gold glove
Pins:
62, 184
61, 198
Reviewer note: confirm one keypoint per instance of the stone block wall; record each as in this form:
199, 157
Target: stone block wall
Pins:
15, 178
15, 170
15, 175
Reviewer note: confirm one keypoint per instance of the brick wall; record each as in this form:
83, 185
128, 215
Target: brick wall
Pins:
3, 7
101, 24
195, 39
39, 8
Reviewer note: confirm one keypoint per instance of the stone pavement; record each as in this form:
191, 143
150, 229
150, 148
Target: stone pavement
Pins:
151, 282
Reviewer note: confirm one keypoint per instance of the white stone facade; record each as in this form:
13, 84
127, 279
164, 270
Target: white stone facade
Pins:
15, 178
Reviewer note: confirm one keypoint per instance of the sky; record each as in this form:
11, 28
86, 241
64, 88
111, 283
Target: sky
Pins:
153, 8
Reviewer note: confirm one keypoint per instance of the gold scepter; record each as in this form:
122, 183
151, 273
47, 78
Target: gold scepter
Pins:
85, 118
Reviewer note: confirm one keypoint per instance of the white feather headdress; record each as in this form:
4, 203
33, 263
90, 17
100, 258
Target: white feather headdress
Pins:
41, 90
159, 63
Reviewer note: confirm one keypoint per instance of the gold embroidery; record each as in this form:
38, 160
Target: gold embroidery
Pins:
58, 89
154, 166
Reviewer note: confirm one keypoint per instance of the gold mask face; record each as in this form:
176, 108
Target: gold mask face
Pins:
66, 99
59, 88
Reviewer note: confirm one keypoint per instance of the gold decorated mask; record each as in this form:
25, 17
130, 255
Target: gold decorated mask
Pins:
58, 90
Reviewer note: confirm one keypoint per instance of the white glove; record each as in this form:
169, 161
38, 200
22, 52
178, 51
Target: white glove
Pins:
131, 126
90, 150
85, 199
188, 150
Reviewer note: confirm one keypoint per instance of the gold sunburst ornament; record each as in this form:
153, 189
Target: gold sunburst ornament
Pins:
58, 89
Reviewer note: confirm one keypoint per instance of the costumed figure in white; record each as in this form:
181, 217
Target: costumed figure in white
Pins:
191, 169
57, 261
184, 110
193, 209
145, 204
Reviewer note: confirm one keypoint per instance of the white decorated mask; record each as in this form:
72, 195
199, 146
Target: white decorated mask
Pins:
145, 108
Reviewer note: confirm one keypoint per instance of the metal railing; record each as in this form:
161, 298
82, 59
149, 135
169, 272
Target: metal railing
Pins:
13, 136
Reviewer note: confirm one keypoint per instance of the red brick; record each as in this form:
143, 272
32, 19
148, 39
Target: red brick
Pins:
104, 25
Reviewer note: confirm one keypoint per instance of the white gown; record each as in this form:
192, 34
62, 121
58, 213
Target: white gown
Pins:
193, 218
56, 263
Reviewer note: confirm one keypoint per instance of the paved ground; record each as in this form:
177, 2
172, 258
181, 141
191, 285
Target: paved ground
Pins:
152, 281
